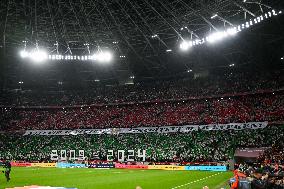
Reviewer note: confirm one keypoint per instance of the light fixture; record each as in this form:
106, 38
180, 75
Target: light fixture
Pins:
232, 31
154, 36
24, 54
185, 45
214, 16
216, 37
38, 55
103, 56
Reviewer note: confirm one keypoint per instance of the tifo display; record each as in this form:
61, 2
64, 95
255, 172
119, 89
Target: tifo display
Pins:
141, 94
195, 146
121, 155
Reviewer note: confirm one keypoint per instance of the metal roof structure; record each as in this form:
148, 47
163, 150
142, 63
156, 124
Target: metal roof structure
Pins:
141, 30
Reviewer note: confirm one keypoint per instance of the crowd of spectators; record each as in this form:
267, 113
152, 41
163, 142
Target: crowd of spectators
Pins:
214, 84
230, 98
239, 109
197, 146
258, 176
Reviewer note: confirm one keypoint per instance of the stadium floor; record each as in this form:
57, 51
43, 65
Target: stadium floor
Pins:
114, 178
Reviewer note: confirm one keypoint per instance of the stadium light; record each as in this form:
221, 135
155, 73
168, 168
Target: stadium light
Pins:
185, 45
216, 37
36, 55
232, 31
154, 36
103, 56
24, 54
214, 16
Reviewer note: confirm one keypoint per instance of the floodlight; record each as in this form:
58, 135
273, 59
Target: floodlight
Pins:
185, 45
38, 55
239, 28
232, 31
108, 56
216, 36
24, 54
214, 16
103, 56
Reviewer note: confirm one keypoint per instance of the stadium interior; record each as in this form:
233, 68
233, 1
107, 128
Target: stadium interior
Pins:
142, 94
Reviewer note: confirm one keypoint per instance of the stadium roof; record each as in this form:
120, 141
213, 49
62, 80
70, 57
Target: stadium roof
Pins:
146, 32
